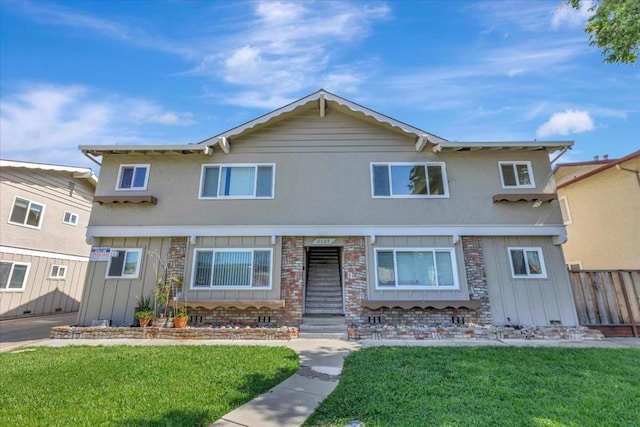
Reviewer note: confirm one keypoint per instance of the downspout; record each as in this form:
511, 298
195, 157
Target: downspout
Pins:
637, 172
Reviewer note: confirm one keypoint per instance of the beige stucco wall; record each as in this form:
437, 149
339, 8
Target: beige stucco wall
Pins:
323, 177
605, 219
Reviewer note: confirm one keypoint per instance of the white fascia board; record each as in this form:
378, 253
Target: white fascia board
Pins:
553, 145
82, 173
327, 96
42, 254
327, 230
99, 149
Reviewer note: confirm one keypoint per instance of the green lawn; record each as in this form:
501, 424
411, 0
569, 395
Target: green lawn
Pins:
486, 386
135, 385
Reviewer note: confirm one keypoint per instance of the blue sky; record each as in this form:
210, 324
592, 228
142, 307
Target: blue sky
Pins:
172, 72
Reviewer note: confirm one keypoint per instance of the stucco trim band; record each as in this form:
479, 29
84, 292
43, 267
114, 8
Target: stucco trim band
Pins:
238, 304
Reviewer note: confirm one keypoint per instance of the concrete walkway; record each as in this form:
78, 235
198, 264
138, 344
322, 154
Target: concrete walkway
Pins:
291, 402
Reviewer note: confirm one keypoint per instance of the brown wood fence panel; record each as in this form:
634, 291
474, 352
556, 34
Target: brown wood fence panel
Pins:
607, 297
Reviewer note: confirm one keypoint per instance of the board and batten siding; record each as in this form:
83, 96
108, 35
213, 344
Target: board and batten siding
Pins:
41, 294
415, 294
116, 299
51, 189
528, 301
323, 178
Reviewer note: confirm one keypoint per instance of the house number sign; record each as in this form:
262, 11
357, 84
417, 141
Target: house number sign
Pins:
323, 241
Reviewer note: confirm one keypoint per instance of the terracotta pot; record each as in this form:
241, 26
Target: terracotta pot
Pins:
144, 321
180, 322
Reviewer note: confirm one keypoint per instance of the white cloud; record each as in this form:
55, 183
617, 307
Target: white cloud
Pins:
566, 16
289, 47
565, 123
47, 123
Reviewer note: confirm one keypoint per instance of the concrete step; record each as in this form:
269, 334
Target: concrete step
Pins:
324, 311
323, 335
323, 320
323, 328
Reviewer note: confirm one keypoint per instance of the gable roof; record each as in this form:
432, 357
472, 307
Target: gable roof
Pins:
594, 171
76, 172
324, 99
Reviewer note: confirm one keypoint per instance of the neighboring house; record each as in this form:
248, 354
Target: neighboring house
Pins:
600, 202
326, 207
44, 213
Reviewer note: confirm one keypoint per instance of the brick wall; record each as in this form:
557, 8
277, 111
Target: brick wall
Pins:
292, 277
477, 278
233, 316
177, 257
417, 316
354, 268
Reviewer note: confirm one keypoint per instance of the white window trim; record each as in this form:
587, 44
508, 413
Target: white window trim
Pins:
538, 249
26, 276
44, 207
255, 183
136, 165
569, 219
58, 277
125, 276
234, 288
514, 163
454, 267
71, 214
445, 182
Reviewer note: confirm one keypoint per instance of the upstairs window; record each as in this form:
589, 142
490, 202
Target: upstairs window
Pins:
124, 263
13, 276
409, 180
527, 263
26, 213
133, 177
58, 272
232, 268
516, 175
237, 181
422, 268
70, 218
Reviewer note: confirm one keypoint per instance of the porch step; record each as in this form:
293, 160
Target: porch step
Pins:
323, 327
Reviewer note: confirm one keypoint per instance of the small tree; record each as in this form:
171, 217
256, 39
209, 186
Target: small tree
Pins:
615, 28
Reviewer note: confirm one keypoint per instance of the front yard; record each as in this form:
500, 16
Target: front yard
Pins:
485, 386
135, 385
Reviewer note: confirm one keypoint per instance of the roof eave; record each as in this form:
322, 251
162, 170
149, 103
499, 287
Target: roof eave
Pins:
550, 146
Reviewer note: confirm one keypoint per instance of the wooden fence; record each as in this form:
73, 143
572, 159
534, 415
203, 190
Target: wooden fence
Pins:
609, 300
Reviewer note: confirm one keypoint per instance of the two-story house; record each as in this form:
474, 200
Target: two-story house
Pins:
600, 203
44, 211
326, 207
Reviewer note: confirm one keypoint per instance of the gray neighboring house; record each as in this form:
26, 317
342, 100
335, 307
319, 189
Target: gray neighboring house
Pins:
44, 211
325, 207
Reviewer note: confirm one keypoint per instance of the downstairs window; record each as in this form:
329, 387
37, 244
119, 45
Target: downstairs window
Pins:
422, 268
232, 268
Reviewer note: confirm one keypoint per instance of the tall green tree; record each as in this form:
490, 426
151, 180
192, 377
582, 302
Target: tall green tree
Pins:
614, 28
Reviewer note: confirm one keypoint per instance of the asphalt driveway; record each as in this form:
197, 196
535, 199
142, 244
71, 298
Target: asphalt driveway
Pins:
29, 330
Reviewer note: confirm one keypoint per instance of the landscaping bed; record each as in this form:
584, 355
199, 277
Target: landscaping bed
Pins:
188, 333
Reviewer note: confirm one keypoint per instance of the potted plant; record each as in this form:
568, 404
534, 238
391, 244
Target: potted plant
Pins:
351, 331
181, 318
144, 304
144, 317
